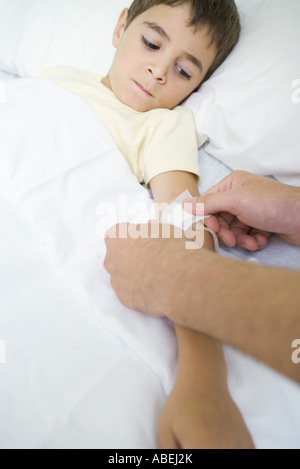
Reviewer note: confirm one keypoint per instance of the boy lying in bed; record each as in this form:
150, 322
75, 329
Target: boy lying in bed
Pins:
165, 50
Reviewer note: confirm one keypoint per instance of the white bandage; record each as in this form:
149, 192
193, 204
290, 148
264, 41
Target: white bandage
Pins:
176, 215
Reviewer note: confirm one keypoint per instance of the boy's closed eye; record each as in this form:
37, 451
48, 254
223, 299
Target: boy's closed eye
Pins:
149, 44
183, 73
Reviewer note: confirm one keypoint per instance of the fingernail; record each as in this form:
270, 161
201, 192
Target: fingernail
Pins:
261, 244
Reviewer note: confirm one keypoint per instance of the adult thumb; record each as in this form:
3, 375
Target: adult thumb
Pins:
213, 203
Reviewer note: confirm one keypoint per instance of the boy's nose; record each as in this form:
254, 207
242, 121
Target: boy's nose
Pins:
159, 73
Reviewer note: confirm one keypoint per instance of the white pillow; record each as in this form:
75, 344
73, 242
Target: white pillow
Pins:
39, 34
250, 108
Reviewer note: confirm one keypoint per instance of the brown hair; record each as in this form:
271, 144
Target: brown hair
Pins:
221, 17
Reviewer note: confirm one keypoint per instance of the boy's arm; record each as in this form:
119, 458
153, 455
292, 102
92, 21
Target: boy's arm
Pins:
192, 416
167, 186
200, 413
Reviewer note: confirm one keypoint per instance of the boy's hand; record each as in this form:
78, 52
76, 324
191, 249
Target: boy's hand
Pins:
205, 419
200, 413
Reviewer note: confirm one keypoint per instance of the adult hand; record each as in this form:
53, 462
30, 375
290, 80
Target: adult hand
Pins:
144, 270
248, 208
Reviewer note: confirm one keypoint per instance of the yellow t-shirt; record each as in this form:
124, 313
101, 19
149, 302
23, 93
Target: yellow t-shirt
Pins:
152, 142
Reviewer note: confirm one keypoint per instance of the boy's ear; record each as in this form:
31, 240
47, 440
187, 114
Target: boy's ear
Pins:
120, 27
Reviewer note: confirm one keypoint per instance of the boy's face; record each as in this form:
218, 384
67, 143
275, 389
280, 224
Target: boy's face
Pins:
159, 60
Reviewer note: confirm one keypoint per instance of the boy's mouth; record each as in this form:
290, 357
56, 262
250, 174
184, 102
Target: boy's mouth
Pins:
140, 87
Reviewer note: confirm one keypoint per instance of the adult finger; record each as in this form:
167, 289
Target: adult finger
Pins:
255, 240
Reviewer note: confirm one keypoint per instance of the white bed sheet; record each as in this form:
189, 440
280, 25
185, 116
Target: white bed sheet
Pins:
68, 381
6, 76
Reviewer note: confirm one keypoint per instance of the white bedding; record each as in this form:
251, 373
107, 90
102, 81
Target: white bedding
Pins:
80, 370
6, 76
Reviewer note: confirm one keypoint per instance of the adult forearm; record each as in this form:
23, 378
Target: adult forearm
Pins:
254, 308
294, 217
